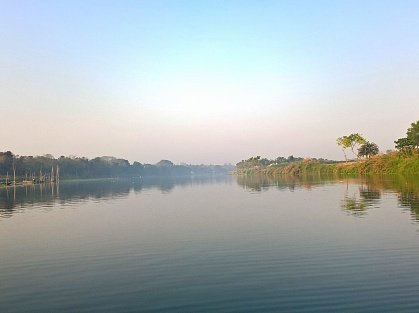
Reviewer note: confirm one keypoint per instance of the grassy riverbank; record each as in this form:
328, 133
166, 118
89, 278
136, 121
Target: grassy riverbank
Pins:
391, 163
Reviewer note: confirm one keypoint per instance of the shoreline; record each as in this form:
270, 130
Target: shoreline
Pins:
386, 164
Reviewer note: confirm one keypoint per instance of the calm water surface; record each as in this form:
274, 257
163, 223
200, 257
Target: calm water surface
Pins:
211, 245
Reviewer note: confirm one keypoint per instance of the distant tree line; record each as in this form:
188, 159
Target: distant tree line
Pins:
264, 162
99, 167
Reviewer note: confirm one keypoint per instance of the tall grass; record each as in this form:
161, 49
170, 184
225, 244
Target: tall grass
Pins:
390, 163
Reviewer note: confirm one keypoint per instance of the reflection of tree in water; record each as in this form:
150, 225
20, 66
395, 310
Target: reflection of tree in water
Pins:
258, 183
410, 200
354, 206
261, 182
359, 201
371, 196
17, 198
167, 184
357, 204
368, 195
407, 189
23, 197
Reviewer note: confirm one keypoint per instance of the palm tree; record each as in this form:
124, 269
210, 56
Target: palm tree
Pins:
368, 149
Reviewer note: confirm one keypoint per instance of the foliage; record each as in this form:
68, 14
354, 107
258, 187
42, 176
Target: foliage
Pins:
368, 149
391, 163
255, 162
278, 165
350, 141
6, 161
165, 163
407, 145
99, 167
413, 134
404, 145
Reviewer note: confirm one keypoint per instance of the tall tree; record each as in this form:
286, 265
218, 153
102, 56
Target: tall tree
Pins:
368, 149
407, 144
351, 141
404, 145
413, 134
343, 142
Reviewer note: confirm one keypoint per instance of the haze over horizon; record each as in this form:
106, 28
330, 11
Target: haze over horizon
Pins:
205, 81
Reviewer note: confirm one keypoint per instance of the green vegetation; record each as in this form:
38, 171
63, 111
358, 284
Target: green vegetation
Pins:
350, 141
281, 165
368, 149
43, 168
390, 163
404, 145
407, 144
413, 134
371, 189
404, 161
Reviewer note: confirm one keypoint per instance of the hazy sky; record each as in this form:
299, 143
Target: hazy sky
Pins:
205, 81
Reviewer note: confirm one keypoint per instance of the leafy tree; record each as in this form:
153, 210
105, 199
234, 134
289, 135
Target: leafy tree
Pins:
280, 160
351, 141
407, 144
344, 143
368, 149
404, 145
165, 163
6, 161
265, 161
413, 134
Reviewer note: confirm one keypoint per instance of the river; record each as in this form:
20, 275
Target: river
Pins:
220, 244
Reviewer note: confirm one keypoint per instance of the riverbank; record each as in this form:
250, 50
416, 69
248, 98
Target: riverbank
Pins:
390, 163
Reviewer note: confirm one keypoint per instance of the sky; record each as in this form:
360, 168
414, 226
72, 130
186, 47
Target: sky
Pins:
205, 81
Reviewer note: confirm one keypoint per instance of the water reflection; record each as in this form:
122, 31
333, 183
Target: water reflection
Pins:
355, 201
359, 196
407, 189
259, 183
354, 206
15, 199
410, 200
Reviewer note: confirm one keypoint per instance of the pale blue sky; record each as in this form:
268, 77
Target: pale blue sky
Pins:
205, 81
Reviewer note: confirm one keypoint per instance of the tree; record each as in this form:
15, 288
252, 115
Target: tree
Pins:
404, 145
6, 162
411, 141
343, 142
368, 149
280, 160
265, 161
350, 141
413, 134
165, 163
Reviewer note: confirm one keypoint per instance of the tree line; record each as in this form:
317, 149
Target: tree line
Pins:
360, 147
355, 143
257, 161
34, 167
